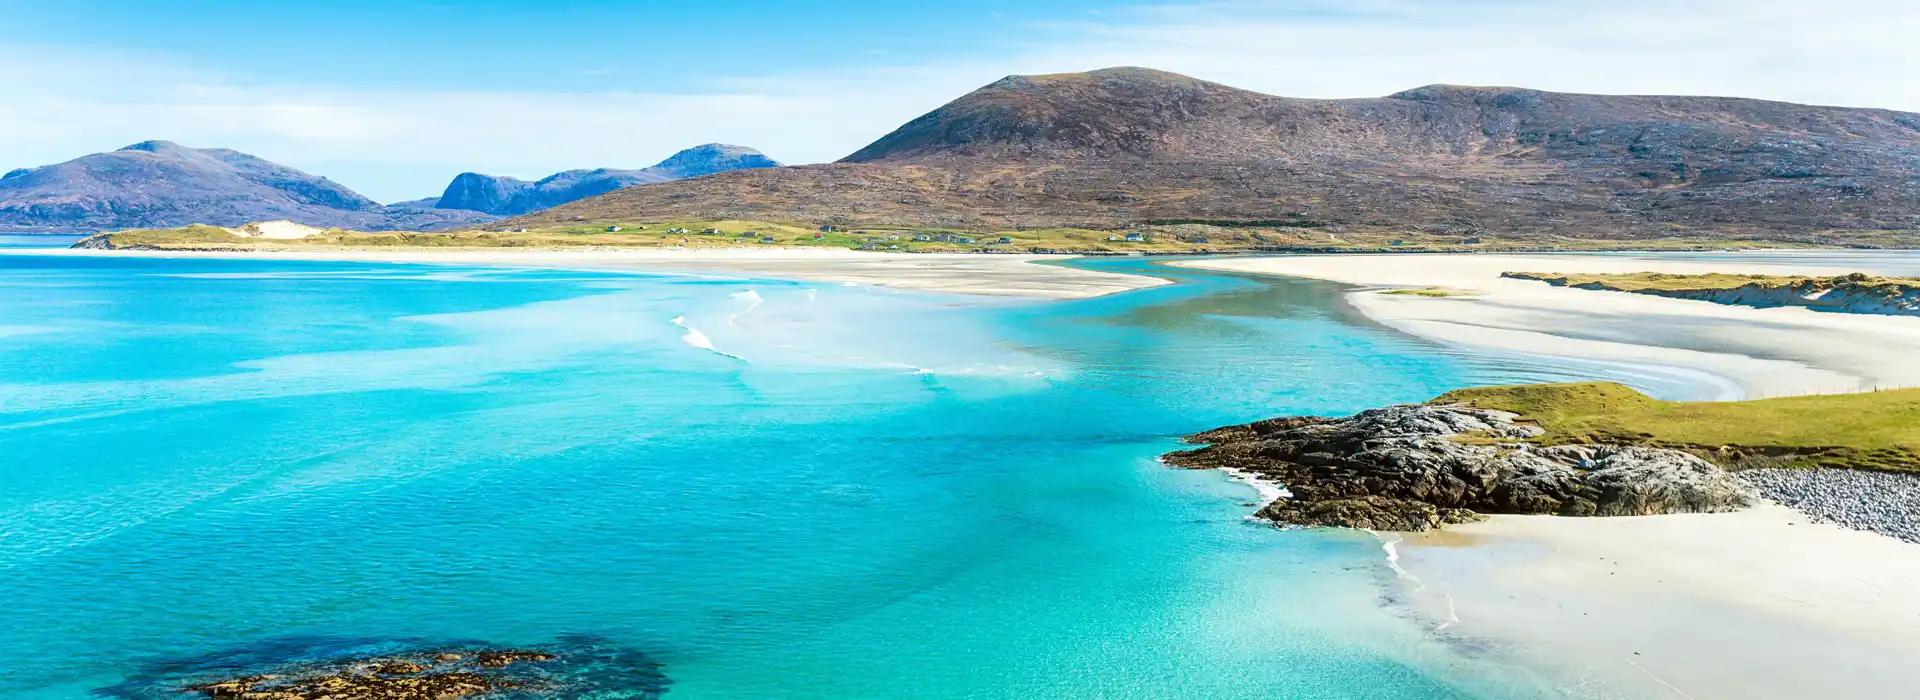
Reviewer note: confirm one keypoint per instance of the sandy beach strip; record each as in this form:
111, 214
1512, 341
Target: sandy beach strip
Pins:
958, 273
1767, 352
1762, 603
1757, 604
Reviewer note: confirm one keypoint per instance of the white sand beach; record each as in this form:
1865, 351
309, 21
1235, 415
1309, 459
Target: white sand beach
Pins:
1756, 604
1767, 352
994, 275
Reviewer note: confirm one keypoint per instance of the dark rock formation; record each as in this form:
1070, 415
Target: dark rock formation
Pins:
425, 676
159, 184
1418, 467
573, 666
506, 196
1127, 146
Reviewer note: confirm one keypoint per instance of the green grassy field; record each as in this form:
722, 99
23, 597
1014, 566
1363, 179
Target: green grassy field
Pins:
1667, 282
1169, 238
1875, 430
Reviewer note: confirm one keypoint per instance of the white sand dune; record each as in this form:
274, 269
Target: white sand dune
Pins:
996, 275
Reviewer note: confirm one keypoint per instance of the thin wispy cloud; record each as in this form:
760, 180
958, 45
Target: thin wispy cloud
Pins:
57, 103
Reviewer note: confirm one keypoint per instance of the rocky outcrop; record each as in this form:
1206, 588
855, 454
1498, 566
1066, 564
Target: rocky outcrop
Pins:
1419, 467
425, 676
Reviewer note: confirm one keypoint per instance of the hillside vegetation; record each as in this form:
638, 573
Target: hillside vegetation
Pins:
1152, 240
1875, 430
1123, 148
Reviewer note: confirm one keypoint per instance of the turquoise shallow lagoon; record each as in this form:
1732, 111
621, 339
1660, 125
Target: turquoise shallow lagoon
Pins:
771, 489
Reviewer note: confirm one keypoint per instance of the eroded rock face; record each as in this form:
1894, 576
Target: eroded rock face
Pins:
1418, 467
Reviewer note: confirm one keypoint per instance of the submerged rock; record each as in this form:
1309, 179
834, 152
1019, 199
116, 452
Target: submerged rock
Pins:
424, 676
1419, 467
321, 668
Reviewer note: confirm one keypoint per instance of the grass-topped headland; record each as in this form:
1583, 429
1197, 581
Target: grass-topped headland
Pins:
1853, 293
1877, 430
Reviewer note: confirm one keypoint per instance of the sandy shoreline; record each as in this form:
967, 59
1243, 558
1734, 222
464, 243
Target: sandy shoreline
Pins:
1762, 603
1757, 604
1767, 352
992, 275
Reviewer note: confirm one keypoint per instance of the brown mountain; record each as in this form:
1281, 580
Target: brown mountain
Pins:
1129, 146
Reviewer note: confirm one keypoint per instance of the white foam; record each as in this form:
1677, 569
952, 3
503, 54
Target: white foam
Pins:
1269, 491
753, 300
700, 340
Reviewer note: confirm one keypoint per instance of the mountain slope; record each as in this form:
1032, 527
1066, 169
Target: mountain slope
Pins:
163, 184
1122, 147
501, 195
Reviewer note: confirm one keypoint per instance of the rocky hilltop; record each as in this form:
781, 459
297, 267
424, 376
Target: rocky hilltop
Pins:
1418, 467
507, 196
160, 184
1129, 146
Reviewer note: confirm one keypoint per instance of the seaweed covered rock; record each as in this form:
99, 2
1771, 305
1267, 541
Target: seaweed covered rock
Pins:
1422, 466
434, 676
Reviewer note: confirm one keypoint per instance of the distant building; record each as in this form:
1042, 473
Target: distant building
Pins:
521, 229
766, 239
709, 231
1113, 237
1470, 240
1136, 237
923, 237
1004, 239
827, 229
613, 229
1396, 241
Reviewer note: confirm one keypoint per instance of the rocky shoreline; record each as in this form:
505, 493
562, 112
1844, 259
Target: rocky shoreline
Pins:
1887, 503
1421, 466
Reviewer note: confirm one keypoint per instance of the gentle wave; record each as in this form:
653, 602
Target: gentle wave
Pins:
700, 340
753, 300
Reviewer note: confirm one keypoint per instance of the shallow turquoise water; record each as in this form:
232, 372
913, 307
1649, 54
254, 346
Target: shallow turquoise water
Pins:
772, 489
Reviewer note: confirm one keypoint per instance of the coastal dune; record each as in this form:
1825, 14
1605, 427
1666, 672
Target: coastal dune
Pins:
1766, 352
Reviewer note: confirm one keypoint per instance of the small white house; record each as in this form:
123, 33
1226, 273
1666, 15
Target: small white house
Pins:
613, 229
1136, 237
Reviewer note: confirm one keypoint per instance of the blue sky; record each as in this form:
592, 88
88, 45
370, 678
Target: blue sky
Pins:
394, 98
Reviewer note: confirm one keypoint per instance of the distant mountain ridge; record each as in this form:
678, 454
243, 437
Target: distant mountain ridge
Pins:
165, 184
507, 196
161, 184
1128, 146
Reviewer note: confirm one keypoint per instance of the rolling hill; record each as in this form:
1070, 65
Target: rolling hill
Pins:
1129, 147
161, 184
156, 184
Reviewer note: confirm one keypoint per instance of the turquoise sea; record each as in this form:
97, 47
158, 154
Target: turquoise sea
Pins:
766, 488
